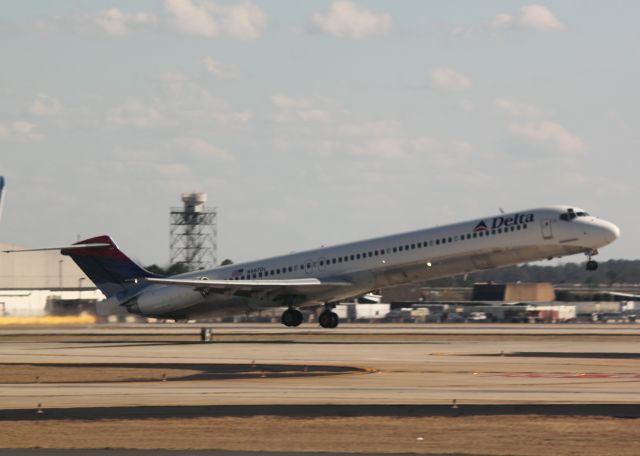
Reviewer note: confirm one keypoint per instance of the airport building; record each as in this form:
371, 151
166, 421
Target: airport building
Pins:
34, 284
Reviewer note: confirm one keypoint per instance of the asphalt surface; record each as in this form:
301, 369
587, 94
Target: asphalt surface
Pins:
121, 452
355, 365
314, 411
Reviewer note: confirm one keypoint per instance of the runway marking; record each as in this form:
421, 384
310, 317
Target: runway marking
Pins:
571, 375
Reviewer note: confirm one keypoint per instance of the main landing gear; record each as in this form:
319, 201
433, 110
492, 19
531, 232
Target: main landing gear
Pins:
328, 319
291, 317
591, 264
206, 335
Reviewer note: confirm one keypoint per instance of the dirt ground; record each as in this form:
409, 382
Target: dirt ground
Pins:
501, 435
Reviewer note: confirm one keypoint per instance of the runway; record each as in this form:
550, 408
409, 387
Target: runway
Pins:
432, 389
373, 365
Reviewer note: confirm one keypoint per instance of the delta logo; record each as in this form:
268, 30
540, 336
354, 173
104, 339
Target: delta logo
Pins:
480, 227
506, 221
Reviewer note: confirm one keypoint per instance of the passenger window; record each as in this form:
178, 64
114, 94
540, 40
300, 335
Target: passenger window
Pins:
395, 250
437, 241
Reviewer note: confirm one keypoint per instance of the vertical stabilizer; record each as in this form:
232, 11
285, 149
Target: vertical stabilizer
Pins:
110, 269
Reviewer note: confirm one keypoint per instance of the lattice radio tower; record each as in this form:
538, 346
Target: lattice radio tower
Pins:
194, 233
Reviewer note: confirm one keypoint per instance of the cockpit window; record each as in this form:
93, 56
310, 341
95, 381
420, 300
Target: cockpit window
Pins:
571, 214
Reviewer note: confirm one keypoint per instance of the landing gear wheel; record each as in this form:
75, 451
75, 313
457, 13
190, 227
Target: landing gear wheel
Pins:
291, 317
206, 335
328, 319
592, 265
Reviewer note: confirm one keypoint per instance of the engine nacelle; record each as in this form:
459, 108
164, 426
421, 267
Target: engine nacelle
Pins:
161, 300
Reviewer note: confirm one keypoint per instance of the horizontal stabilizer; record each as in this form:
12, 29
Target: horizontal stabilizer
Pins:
66, 247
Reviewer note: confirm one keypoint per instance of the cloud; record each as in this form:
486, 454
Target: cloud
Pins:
389, 143
533, 17
20, 131
135, 113
233, 117
200, 148
550, 134
112, 22
218, 69
244, 21
118, 23
348, 20
301, 109
179, 99
448, 79
45, 105
516, 108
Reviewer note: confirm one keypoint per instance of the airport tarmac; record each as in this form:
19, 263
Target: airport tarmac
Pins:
373, 364
433, 389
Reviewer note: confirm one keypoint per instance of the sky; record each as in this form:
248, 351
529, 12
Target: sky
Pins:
313, 123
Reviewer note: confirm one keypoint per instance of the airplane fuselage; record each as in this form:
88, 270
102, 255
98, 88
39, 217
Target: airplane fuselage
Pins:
416, 256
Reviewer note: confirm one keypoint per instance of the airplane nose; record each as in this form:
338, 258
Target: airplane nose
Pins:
612, 232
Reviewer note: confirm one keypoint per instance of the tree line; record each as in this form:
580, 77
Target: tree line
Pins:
608, 273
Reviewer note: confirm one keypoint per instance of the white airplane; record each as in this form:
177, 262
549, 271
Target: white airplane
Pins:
325, 276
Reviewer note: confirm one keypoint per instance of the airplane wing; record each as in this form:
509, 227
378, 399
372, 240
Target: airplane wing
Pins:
250, 285
623, 295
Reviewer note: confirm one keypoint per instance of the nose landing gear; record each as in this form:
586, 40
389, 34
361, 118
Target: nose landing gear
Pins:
592, 265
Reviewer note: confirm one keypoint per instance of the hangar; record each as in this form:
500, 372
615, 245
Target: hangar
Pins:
35, 284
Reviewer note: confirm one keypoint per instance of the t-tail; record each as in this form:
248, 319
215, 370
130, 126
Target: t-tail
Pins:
112, 271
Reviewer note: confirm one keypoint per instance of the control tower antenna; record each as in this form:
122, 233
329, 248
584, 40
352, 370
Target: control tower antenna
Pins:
193, 233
